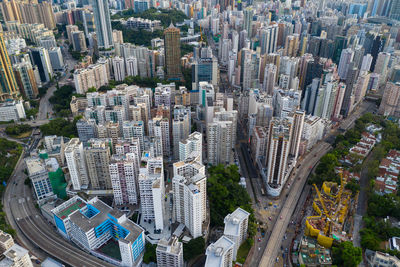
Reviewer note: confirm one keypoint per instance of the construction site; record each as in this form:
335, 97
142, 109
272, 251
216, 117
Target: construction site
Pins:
333, 218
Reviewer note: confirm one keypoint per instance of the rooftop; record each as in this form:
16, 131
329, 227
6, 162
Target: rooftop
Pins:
232, 221
216, 251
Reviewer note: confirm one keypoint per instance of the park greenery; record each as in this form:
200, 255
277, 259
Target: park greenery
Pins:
346, 255
137, 36
325, 170
9, 155
150, 253
166, 16
193, 248
60, 127
61, 100
225, 195
18, 130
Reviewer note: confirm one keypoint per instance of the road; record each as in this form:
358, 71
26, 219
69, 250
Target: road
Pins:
271, 251
45, 108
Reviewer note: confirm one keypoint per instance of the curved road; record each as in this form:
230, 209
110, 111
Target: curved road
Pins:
33, 230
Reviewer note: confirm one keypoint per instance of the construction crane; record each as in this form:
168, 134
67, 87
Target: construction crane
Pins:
328, 219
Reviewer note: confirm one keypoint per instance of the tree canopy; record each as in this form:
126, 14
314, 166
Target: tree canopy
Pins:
346, 255
60, 127
193, 248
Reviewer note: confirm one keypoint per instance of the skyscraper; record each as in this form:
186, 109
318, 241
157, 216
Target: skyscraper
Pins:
280, 132
102, 21
172, 52
98, 160
76, 163
169, 252
8, 83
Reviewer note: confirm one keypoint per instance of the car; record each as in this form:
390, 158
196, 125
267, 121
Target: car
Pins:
270, 218
259, 239
281, 217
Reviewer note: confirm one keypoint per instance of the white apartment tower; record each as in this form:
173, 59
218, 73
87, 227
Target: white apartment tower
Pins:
151, 189
169, 252
76, 162
190, 195
236, 225
220, 253
191, 147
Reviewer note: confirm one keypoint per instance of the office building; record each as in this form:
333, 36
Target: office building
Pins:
101, 14
124, 172
78, 41
25, 78
38, 174
235, 229
86, 129
191, 147
76, 162
220, 253
98, 155
205, 70
279, 136
344, 63
9, 86
12, 110
40, 57
93, 224
151, 190
172, 49
56, 59
169, 252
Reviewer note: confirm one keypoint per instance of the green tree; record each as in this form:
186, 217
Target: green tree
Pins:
193, 248
150, 253
346, 255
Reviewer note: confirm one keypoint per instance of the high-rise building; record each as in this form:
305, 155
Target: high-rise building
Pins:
86, 129
39, 176
101, 14
191, 147
169, 252
13, 255
151, 189
298, 122
98, 155
172, 48
220, 253
134, 129
248, 19
40, 57
131, 66
25, 78
56, 59
9, 86
159, 127
235, 229
394, 12
280, 134
390, 104
205, 70
78, 41
76, 162
180, 127
345, 59
124, 173
119, 68
190, 195
269, 78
